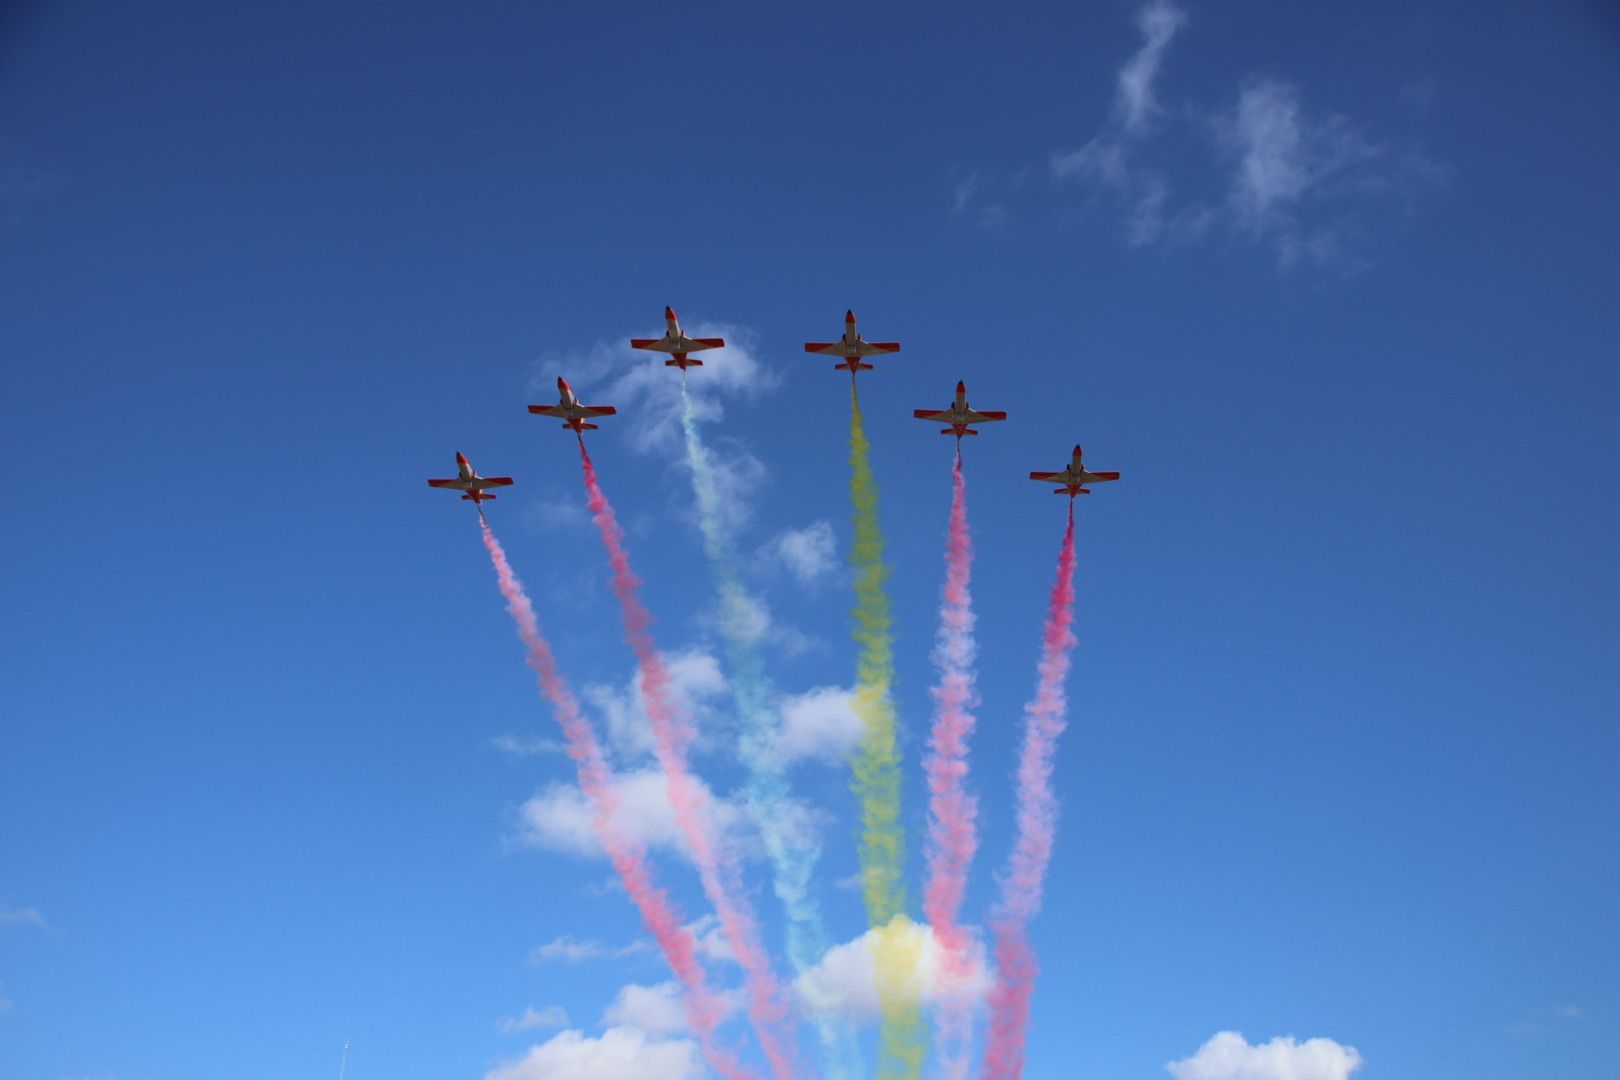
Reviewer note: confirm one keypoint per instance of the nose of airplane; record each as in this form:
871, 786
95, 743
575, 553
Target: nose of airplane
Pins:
669, 312
1078, 451
461, 459
849, 316
562, 383
961, 386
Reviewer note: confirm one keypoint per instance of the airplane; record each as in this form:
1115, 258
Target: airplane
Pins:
1070, 480
570, 411
852, 347
470, 483
676, 343
958, 416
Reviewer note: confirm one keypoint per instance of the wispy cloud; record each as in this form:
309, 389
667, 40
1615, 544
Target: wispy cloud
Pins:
1135, 103
15, 916
1307, 185
1228, 1056
532, 1019
1285, 162
1107, 162
572, 950
1546, 1019
526, 746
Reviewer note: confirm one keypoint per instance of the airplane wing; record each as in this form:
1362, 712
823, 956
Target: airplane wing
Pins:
870, 347
935, 417
548, 410
710, 342
598, 410
644, 342
985, 417
1091, 476
829, 348
454, 482
1054, 477
491, 481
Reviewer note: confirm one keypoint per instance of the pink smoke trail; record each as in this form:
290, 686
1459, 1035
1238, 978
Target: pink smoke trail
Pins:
952, 810
703, 1010
672, 735
1025, 873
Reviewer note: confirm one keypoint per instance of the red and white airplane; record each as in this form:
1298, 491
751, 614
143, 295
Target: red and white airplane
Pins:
1071, 480
473, 486
852, 347
570, 411
676, 343
958, 416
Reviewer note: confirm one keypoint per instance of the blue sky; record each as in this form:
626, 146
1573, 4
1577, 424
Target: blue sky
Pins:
1333, 288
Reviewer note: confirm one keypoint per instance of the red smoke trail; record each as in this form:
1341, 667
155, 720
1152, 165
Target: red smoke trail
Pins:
703, 1010
1037, 822
952, 811
672, 734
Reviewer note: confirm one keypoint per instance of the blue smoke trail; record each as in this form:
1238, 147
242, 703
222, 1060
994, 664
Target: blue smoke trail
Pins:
790, 843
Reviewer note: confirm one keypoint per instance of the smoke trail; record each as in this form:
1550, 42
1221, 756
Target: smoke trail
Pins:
1025, 873
703, 1010
793, 849
952, 837
672, 735
876, 780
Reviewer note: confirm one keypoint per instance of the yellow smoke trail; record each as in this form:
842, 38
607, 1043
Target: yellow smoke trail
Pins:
895, 952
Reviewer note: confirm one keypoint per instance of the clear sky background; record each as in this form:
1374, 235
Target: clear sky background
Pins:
1333, 285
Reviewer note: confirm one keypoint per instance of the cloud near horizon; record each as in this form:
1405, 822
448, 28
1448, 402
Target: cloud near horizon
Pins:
1228, 1056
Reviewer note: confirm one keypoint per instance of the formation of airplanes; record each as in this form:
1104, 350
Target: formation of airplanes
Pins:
958, 418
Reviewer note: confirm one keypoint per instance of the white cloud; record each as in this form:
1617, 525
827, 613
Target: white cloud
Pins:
560, 818
1135, 103
620, 1053
572, 950
27, 916
810, 554
843, 981
657, 1010
1228, 1056
696, 682
819, 724
532, 1019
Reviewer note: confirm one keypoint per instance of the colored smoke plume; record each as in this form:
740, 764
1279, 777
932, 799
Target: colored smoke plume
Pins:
704, 1009
1024, 876
876, 767
672, 735
793, 849
952, 810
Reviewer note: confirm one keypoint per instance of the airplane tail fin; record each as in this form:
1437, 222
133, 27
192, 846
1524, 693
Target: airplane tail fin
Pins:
685, 363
